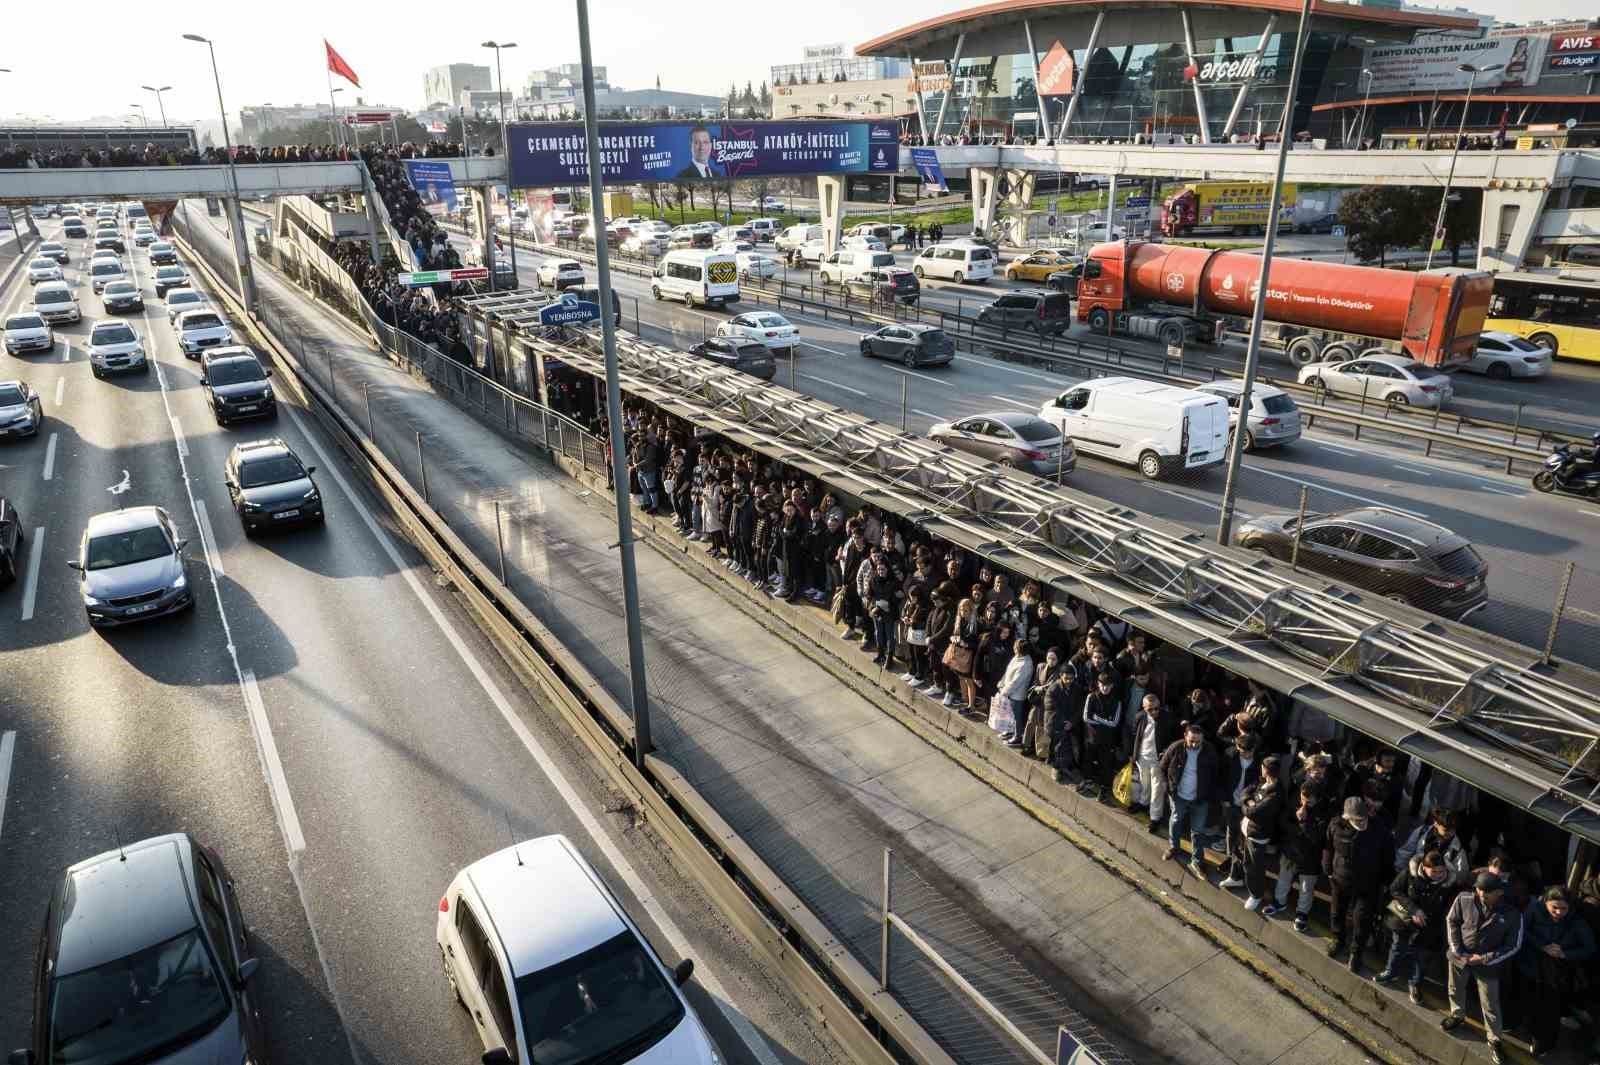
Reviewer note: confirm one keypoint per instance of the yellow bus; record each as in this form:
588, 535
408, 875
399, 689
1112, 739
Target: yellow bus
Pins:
1559, 313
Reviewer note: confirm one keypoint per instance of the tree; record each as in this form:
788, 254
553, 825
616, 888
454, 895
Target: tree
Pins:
765, 98
1462, 215
733, 98
1379, 217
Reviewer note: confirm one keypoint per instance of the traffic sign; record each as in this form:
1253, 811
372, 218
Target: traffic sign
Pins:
1338, 231
1138, 201
569, 310
419, 278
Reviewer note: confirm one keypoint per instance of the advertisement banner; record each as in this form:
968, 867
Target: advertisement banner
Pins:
929, 173
549, 155
1058, 74
931, 77
434, 185
368, 118
1070, 1052
1573, 62
1429, 63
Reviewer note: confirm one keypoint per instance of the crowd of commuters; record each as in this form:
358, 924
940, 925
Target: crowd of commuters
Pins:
153, 154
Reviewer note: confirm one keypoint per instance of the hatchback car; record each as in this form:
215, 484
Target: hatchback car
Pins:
121, 296
75, 230
888, 284
104, 271
168, 277
1505, 355
53, 250
560, 273
1039, 266
143, 238
114, 346
1010, 438
270, 487
746, 356
21, 413
11, 540
1394, 379
180, 300
133, 567
911, 345
42, 269
1274, 416
144, 956
28, 332
1398, 556
235, 384
201, 329
109, 242
550, 967
1040, 311
773, 330
162, 254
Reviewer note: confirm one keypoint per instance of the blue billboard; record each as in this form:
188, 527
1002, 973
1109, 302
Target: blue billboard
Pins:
929, 174
548, 155
434, 185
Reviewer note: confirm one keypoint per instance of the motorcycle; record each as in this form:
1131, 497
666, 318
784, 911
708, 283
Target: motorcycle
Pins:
1558, 476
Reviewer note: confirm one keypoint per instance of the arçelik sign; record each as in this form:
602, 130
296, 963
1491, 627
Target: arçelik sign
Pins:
1245, 68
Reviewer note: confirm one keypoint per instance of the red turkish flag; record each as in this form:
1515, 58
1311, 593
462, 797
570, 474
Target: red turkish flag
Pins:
1191, 71
337, 65
1058, 73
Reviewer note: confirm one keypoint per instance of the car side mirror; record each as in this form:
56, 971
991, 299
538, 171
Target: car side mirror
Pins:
269, 371
682, 971
311, 469
179, 544
203, 379
247, 969
73, 563
497, 1056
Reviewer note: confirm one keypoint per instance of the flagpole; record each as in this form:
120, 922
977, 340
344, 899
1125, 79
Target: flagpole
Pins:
334, 121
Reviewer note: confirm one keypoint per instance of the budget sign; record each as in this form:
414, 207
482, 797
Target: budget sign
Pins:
555, 154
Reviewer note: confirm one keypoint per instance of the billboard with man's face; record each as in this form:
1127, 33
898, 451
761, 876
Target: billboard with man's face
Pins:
549, 155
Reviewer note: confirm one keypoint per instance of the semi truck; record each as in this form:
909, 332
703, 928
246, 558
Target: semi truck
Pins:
1315, 311
1237, 207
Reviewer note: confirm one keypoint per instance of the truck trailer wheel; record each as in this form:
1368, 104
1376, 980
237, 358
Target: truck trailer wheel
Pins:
1100, 321
1338, 352
1172, 334
1303, 351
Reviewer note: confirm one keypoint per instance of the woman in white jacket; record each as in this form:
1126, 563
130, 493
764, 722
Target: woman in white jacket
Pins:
1013, 687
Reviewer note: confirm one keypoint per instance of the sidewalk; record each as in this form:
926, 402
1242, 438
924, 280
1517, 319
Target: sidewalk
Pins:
819, 780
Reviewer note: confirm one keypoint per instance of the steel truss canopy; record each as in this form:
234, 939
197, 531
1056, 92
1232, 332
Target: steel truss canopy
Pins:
1472, 705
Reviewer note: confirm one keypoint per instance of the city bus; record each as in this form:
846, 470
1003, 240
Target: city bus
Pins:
1558, 312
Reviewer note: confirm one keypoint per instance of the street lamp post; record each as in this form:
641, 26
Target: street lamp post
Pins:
1361, 125
159, 102
143, 120
505, 152
241, 248
1436, 239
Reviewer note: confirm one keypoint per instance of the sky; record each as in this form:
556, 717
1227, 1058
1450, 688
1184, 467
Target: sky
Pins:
272, 52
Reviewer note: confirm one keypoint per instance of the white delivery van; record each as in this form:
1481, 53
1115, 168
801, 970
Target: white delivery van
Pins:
848, 263
796, 236
697, 276
1158, 428
955, 262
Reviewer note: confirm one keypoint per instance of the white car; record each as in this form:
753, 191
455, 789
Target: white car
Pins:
43, 270
756, 266
811, 253
560, 273
104, 271
180, 300
550, 967
201, 329
1503, 355
28, 332
773, 330
21, 410
1398, 380
143, 238
862, 242
645, 244
1274, 416
767, 203
1097, 230
115, 346
735, 246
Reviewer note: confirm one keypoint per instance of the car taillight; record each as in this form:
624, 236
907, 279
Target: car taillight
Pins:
1430, 388
1448, 583
1533, 358
772, 332
444, 903
1032, 454
1041, 308
1183, 440
1269, 421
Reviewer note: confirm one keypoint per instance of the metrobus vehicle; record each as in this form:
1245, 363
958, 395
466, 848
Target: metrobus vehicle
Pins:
1555, 311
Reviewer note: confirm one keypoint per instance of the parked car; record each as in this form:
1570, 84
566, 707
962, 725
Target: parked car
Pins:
1010, 438
1504, 355
235, 384
746, 356
132, 568
1039, 265
28, 331
1397, 380
270, 487
766, 327
1398, 556
1040, 311
21, 412
11, 540
911, 344
1274, 415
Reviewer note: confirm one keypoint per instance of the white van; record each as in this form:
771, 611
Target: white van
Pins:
796, 236
697, 276
848, 263
1156, 427
955, 262
764, 229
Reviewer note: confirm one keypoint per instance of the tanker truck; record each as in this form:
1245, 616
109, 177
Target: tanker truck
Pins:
1315, 311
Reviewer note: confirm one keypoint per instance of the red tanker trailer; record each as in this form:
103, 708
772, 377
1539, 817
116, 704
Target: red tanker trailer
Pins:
1315, 311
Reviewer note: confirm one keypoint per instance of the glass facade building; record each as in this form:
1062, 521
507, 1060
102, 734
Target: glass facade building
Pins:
841, 68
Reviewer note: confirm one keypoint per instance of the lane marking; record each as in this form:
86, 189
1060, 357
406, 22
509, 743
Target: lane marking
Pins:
66, 351
819, 347
1208, 504
183, 444
1012, 402
928, 414
1501, 491
276, 779
50, 457
835, 384
1336, 447
8, 746
925, 377
747, 1032
61, 391
208, 539
30, 589
1595, 513
1413, 469
1335, 491
994, 364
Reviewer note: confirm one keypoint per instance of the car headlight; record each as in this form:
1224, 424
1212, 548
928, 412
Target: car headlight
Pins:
181, 582
247, 505
311, 496
89, 600
266, 393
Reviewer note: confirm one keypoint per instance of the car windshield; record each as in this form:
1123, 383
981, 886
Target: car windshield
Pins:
113, 334
609, 1003
43, 264
1281, 404
233, 371
106, 266
126, 548
270, 469
159, 246
1523, 345
170, 271
10, 395
118, 288
52, 295
127, 1010
24, 321
769, 321
179, 296
201, 320
1035, 429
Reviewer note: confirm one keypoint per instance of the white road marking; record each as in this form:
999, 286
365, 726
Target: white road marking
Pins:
1012, 402
819, 347
1336, 491
61, 391
928, 414
50, 457
208, 539
66, 351
276, 779
30, 588
1501, 491
122, 485
619, 861
183, 444
996, 365
8, 746
835, 384
925, 377
1595, 513
1413, 469
1336, 447
1208, 504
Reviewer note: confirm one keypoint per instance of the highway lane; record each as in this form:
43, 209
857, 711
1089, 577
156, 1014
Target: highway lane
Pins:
397, 747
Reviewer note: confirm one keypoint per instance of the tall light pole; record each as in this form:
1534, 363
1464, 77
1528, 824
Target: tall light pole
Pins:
159, 102
1252, 357
1436, 240
619, 467
1361, 126
143, 120
241, 247
505, 152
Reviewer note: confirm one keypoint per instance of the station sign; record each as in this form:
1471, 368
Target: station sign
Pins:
569, 310
419, 278
368, 118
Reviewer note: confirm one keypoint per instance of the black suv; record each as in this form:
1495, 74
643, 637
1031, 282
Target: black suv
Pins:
235, 385
1396, 555
270, 487
1040, 311
746, 356
11, 538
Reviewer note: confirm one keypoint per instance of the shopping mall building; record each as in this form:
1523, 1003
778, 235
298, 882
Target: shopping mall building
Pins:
1218, 70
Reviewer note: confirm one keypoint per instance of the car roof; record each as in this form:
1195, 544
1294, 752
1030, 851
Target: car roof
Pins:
543, 902
1402, 526
1388, 359
198, 311
112, 323
1133, 386
111, 522
1258, 390
1012, 418
51, 286
124, 900
259, 449
232, 353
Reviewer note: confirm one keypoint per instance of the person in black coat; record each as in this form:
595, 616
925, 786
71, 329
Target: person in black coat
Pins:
1358, 857
1302, 833
1102, 719
1262, 809
1425, 887
1241, 769
1192, 771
